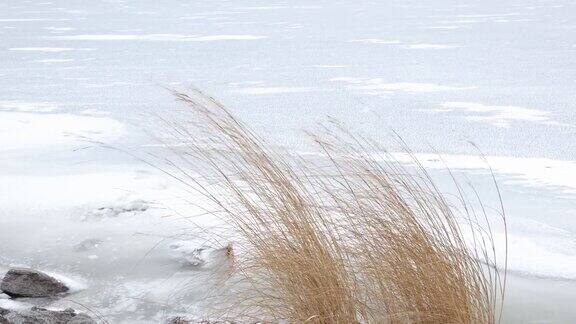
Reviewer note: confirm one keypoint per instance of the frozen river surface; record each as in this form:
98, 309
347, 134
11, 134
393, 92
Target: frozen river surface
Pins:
501, 74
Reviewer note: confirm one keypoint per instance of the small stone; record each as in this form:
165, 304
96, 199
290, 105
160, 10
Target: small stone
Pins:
30, 283
43, 316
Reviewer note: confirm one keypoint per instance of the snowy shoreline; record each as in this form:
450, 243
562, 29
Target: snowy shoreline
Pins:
137, 217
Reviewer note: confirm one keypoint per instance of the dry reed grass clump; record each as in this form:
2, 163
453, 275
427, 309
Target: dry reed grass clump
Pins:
343, 237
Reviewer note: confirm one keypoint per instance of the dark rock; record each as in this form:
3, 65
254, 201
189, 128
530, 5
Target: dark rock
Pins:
37, 315
3, 312
30, 283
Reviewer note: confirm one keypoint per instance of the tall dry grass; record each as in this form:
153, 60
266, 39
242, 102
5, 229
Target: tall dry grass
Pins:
343, 237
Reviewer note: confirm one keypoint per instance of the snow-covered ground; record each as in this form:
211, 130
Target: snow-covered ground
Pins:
442, 73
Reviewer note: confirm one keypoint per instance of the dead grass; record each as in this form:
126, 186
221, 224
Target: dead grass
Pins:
344, 237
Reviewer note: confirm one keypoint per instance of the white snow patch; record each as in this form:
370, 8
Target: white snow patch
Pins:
43, 49
13, 305
225, 38
431, 46
31, 19
328, 66
263, 8
270, 90
541, 255
246, 83
377, 41
535, 248
158, 37
406, 45
442, 27
497, 115
53, 61
489, 15
74, 284
539, 172
112, 84
378, 85
58, 29
458, 21
20, 131
21, 106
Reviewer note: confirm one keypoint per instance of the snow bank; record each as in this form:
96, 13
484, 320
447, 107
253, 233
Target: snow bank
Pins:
28, 131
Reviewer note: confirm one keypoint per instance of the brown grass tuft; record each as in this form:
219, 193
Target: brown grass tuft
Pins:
345, 237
